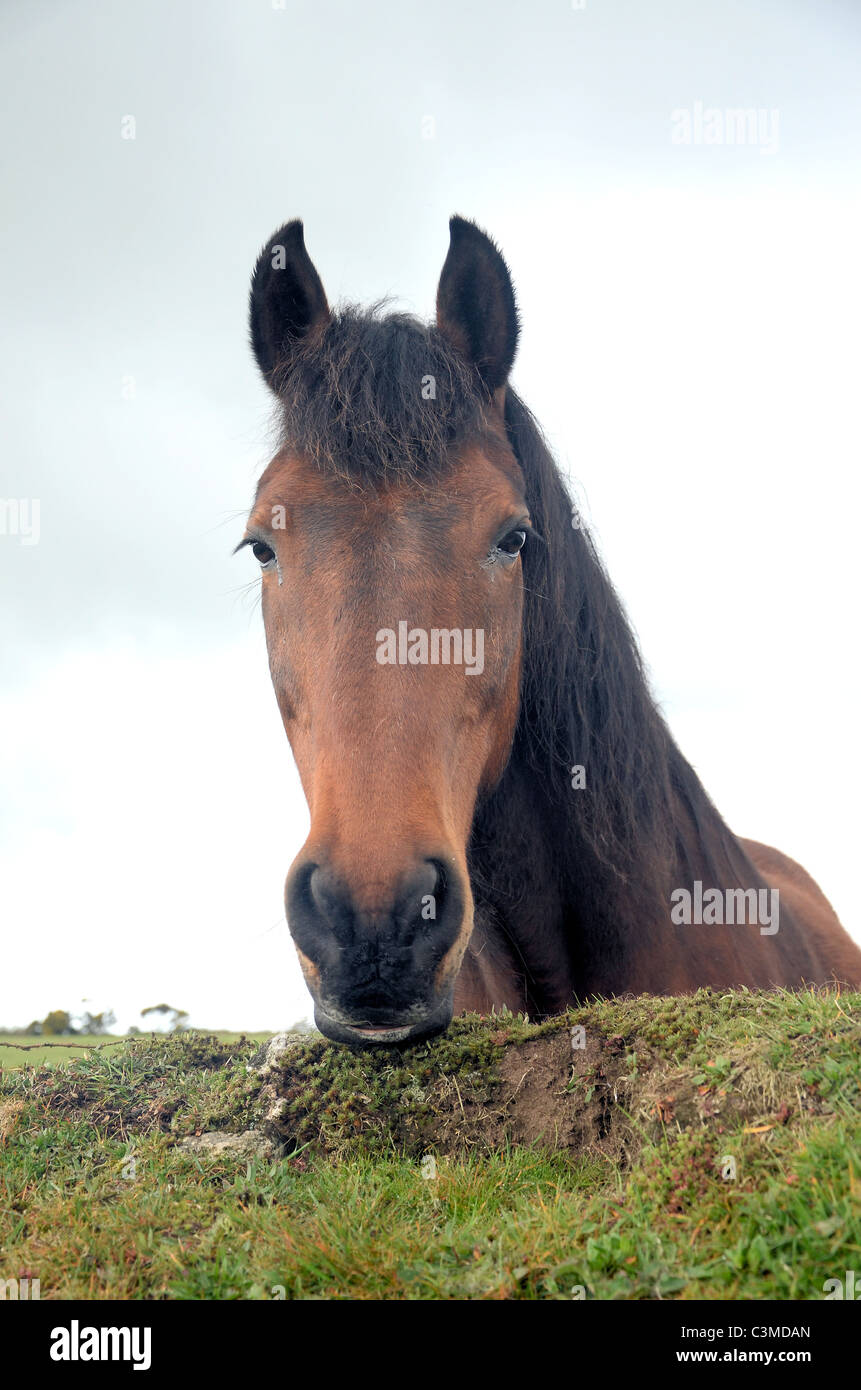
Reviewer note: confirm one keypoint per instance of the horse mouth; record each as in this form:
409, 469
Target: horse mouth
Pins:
363, 1034
393, 1034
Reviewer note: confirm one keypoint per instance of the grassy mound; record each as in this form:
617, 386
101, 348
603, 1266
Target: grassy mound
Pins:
696, 1147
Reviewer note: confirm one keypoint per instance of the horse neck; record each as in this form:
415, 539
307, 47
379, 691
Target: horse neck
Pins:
569, 923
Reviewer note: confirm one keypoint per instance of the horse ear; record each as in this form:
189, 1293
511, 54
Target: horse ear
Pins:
475, 306
288, 301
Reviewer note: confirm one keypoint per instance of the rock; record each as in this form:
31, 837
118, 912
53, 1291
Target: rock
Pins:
269, 1064
252, 1143
272, 1054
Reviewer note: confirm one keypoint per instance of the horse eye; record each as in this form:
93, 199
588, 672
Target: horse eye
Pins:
513, 543
264, 553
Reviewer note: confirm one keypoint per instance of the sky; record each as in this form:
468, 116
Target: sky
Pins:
690, 302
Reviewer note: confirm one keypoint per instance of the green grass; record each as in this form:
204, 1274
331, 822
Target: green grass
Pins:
99, 1200
55, 1051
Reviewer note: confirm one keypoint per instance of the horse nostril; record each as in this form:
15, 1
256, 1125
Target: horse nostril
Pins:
317, 914
383, 926
330, 905
421, 892
433, 889
322, 890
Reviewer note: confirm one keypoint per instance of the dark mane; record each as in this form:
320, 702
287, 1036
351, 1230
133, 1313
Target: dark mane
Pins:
584, 694
621, 845
353, 402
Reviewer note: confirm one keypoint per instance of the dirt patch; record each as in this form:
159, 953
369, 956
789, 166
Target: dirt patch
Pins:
561, 1095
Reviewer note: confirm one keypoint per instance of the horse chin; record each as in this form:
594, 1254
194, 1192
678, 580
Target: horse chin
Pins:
365, 1035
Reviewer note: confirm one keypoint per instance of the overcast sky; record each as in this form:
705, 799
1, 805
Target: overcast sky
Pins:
690, 342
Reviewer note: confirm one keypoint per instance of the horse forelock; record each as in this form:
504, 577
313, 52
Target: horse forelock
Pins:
379, 398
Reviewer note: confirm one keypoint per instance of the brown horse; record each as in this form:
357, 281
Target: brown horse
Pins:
499, 814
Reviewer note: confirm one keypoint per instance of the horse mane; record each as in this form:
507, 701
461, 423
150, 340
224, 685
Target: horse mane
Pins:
644, 823
584, 693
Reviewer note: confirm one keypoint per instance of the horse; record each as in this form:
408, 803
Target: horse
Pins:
500, 815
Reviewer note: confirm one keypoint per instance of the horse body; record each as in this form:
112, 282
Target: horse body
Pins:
453, 860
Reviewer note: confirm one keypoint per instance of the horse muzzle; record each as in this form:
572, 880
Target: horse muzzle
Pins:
380, 966
361, 1033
